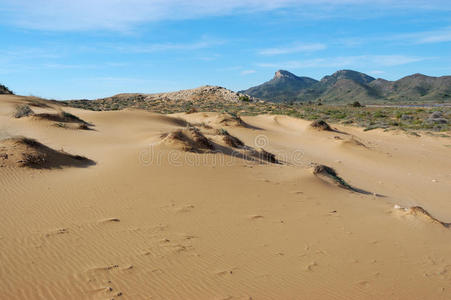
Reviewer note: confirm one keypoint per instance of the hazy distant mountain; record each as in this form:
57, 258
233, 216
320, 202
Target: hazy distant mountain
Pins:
4, 90
348, 86
417, 87
284, 86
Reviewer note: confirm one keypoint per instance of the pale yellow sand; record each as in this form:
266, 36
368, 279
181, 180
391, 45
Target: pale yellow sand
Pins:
150, 222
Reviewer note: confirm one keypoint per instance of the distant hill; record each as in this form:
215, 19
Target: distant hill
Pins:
204, 96
5, 90
417, 87
348, 86
284, 85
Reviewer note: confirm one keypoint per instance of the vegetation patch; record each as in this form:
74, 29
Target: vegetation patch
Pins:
321, 125
407, 118
22, 111
264, 155
229, 139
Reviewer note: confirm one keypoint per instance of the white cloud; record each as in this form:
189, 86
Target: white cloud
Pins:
247, 72
294, 49
346, 62
124, 15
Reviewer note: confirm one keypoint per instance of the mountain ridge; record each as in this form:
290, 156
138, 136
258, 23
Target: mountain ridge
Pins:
346, 86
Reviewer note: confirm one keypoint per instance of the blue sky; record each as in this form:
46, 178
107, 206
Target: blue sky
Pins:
65, 49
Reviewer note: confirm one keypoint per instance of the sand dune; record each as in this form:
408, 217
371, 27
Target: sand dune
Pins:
150, 220
25, 152
188, 139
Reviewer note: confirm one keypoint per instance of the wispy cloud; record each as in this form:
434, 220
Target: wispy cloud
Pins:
63, 15
440, 35
429, 37
294, 49
346, 62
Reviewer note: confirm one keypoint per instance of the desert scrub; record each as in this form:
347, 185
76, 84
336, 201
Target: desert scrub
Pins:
23, 110
406, 118
222, 131
244, 98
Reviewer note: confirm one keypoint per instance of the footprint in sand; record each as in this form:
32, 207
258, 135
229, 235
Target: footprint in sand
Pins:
109, 291
297, 192
226, 272
186, 208
181, 248
363, 283
311, 266
57, 232
189, 237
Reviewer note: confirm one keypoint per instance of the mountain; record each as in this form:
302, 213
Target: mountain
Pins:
348, 86
284, 86
5, 90
416, 87
342, 85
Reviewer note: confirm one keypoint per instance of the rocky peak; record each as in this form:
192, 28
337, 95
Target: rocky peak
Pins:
284, 74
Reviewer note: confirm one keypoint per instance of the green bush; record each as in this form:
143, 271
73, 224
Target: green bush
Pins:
244, 98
